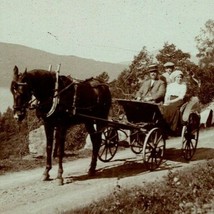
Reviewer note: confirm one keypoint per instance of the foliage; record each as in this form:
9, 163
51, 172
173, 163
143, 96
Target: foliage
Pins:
14, 135
184, 191
169, 53
75, 138
205, 44
129, 80
8, 125
14, 142
206, 93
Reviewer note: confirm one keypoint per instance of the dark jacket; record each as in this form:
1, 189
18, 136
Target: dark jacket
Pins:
157, 91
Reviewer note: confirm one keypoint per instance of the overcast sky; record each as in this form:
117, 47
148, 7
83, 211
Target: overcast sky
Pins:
105, 30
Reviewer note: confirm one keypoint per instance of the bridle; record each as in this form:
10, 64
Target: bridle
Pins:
17, 92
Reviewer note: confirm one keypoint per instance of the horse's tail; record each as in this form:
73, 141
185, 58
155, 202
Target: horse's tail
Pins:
104, 97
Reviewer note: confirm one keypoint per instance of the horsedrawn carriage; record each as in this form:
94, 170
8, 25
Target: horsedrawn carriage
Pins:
63, 102
147, 132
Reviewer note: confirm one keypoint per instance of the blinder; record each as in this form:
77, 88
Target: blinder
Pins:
22, 96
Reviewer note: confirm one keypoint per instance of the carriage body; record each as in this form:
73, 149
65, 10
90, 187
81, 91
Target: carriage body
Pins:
147, 131
138, 111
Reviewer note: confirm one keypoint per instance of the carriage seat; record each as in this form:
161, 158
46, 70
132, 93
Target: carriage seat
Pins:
188, 107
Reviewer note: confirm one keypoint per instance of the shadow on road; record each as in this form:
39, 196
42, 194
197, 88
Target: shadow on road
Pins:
127, 169
131, 167
174, 154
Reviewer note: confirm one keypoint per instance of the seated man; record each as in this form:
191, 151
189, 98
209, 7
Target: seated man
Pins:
153, 89
168, 68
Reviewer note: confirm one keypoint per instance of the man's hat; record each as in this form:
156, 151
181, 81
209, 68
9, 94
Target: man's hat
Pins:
153, 67
169, 64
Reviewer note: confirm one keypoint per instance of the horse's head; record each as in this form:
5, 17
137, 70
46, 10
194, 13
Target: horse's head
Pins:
21, 94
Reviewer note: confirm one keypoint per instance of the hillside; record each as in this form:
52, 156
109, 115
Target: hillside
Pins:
25, 57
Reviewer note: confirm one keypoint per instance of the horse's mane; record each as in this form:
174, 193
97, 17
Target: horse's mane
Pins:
95, 82
45, 75
40, 73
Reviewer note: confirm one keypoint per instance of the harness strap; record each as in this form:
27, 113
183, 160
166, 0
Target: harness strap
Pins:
55, 98
74, 100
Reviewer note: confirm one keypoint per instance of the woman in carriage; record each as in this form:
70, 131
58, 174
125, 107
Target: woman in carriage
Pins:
174, 99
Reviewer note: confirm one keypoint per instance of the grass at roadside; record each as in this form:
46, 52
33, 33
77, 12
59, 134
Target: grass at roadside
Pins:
185, 191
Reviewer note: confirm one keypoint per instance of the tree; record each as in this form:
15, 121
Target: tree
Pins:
205, 44
128, 81
206, 93
169, 53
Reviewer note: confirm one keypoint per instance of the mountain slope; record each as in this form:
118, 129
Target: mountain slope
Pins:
25, 57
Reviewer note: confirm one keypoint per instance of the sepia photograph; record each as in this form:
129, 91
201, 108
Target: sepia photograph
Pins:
106, 106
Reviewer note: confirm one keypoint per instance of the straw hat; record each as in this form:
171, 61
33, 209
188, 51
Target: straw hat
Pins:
153, 68
169, 64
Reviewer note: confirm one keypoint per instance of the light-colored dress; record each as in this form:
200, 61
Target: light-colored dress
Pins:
171, 112
175, 89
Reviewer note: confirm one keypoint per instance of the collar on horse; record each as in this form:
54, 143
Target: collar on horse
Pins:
56, 97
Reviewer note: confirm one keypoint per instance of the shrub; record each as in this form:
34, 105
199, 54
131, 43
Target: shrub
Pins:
185, 191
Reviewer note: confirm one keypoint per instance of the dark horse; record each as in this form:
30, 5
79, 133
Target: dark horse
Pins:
61, 103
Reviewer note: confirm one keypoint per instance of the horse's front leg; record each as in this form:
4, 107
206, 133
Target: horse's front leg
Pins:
60, 140
49, 131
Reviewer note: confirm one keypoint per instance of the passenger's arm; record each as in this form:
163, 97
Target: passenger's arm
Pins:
168, 94
139, 93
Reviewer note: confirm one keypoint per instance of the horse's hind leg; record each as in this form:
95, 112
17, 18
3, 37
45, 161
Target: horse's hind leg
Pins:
60, 140
49, 130
96, 141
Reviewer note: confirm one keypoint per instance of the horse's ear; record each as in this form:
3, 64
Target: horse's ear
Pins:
15, 73
25, 71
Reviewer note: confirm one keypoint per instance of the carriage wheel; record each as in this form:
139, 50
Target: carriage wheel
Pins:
109, 144
136, 141
189, 137
153, 149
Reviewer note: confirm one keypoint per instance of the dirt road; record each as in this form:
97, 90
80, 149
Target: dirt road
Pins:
24, 192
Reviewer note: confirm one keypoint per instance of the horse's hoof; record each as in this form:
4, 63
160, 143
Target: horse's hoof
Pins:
60, 181
45, 178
